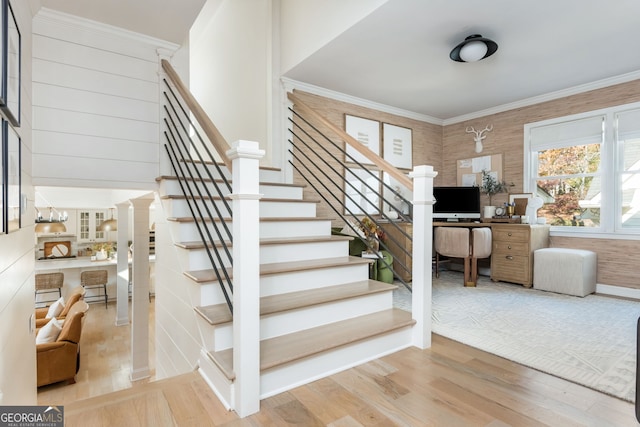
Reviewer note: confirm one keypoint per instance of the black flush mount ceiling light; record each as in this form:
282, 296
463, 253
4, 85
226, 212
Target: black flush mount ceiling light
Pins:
473, 48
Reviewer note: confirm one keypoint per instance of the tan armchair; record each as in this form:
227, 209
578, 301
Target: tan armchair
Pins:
76, 295
60, 360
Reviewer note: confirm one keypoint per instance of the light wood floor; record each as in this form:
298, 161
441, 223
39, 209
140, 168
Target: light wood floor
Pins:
449, 384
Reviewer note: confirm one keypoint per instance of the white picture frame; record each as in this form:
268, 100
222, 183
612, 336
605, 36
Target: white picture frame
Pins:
367, 201
397, 205
521, 200
397, 145
366, 132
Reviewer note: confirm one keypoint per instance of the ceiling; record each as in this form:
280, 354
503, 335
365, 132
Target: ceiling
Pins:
168, 20
399, 54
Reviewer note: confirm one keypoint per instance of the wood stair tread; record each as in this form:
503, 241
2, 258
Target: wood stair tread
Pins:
298, 345
263, 199
275, 184
208, 275
272, 241
219, 313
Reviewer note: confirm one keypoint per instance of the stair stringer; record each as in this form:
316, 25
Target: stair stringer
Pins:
180, 335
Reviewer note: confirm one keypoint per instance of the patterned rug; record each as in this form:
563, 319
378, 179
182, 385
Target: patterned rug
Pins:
590, 341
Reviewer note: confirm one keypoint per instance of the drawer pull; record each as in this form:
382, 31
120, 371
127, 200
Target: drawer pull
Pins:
509, 234
509, 247
509, 257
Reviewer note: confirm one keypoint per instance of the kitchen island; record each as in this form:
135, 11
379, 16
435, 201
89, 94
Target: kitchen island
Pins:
72, 267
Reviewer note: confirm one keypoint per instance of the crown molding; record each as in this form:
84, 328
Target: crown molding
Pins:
290, 84
100, 29
551, 96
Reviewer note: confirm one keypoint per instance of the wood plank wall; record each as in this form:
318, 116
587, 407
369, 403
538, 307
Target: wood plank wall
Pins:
442, 146
616, 258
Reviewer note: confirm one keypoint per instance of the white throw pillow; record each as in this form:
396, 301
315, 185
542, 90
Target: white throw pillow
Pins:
55, 308
49, 332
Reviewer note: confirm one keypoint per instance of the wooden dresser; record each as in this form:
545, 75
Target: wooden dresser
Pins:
400, 257
512, 252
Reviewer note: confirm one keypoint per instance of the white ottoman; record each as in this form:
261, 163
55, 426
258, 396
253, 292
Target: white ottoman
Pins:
565, 271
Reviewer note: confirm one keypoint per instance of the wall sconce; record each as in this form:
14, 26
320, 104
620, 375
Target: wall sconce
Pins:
473, 48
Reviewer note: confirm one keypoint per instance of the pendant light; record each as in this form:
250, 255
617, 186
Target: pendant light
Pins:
51, 224
108, 225
473, 48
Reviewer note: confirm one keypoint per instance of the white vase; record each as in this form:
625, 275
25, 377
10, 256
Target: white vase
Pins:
489, 211
101, 255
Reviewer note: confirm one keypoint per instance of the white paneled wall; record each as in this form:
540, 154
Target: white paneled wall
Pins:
96, 112
17, 339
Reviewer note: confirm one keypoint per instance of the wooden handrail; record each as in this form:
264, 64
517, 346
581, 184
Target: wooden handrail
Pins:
219, 143
381, 163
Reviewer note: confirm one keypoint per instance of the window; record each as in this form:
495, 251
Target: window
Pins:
586, 169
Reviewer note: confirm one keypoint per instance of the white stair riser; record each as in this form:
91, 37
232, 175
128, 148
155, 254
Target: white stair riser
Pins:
268, 208
308, 317
269, 191
197, 259
211, 293
304, 371
187, 231
312, 279
265, 175
216, 337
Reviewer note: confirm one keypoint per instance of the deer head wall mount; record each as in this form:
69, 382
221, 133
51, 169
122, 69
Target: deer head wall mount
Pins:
479, 136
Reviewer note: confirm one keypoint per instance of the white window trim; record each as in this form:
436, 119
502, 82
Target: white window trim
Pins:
610, 227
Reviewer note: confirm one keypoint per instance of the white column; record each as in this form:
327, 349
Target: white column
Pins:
122, 266
245, 157
422, 251
140, 290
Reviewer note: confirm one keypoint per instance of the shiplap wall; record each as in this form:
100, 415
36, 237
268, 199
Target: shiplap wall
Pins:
17, 340
95, 104
616, 257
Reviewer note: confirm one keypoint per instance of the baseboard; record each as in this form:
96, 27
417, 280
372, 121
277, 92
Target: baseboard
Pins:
618, 291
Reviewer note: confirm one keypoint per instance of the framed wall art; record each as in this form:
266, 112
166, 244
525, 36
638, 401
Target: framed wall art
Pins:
366, 132
13, 168
361, 197
397, 146
11, 66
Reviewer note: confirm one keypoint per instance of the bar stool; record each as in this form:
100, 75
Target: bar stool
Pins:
95, 279
48, 283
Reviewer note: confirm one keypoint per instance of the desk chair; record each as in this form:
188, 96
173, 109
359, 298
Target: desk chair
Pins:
95, 279
465, 243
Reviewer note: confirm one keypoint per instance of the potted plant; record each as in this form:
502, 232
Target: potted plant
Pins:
491, 186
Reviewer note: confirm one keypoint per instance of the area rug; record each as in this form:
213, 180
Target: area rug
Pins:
590, 341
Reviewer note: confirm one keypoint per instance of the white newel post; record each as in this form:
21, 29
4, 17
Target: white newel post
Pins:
140, 290
422, 251
122, 266
245, 156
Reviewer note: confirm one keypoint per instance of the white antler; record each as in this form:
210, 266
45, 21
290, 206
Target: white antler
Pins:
479, 136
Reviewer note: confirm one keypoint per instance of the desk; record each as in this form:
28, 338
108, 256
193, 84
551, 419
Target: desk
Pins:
512, 248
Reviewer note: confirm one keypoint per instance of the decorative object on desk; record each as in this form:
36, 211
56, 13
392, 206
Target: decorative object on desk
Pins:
372, 233
479, 136
491, 186
520, 202
534, 204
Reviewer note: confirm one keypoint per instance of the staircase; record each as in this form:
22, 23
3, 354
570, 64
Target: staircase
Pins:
319, 312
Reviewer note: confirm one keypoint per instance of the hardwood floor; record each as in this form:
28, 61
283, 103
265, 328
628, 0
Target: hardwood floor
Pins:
449, 384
